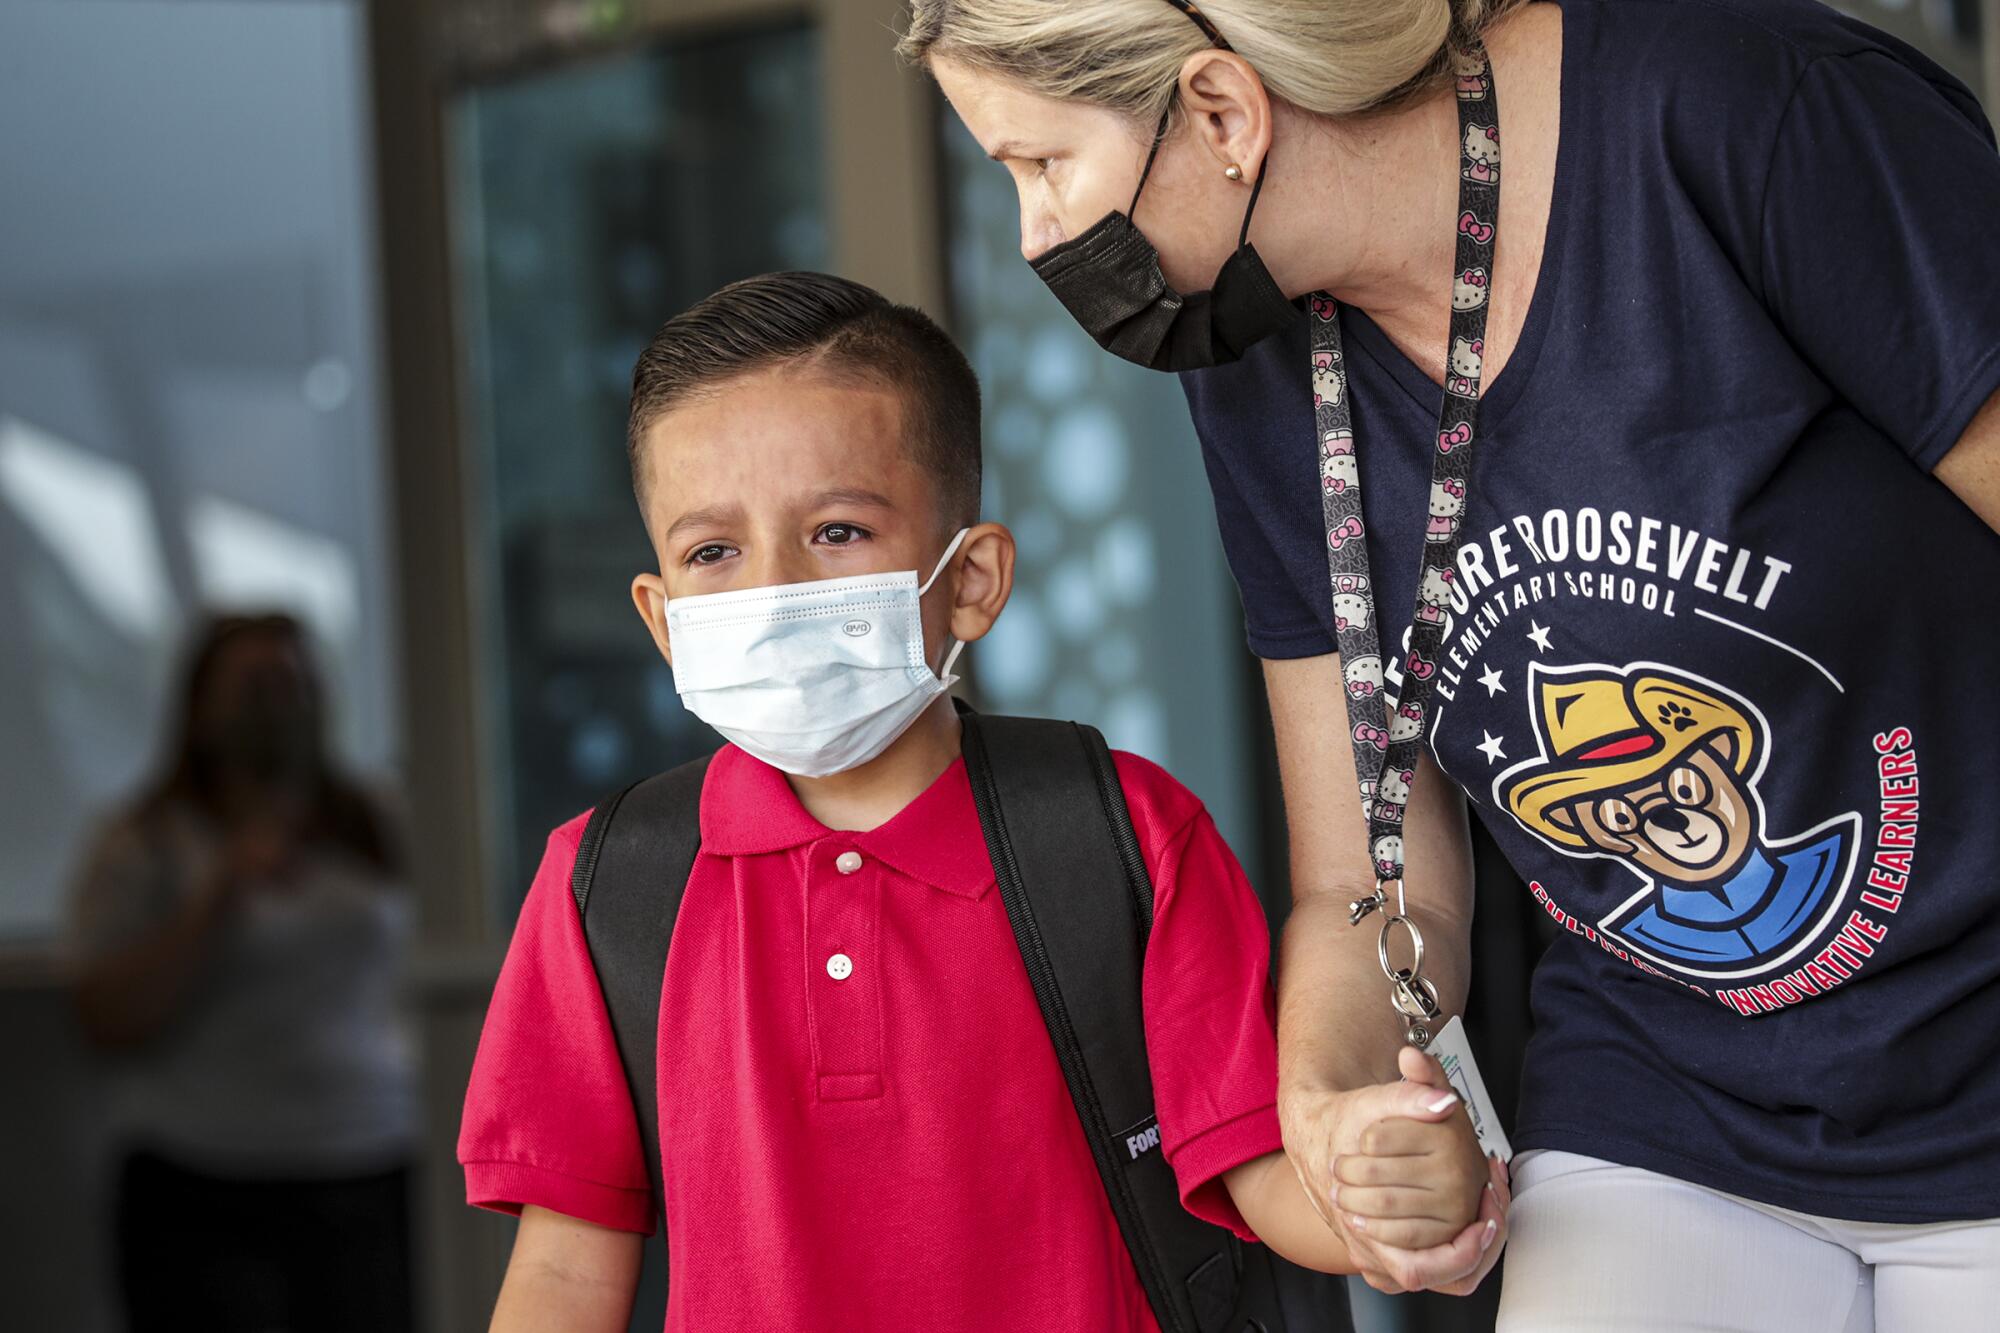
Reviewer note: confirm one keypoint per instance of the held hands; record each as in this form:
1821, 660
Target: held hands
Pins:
1414, 1184
1397, 1172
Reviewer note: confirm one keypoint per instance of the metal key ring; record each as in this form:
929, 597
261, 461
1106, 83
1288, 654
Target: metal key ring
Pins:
1389, 969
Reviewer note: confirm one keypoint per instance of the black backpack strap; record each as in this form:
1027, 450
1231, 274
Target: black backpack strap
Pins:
631, 872
1081, 904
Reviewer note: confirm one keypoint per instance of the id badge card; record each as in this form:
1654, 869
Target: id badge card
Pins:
1455, 1054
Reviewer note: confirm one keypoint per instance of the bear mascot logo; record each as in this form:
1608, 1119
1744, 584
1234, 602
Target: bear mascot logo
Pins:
1659, 770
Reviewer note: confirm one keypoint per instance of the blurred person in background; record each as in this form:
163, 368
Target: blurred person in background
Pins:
241, 931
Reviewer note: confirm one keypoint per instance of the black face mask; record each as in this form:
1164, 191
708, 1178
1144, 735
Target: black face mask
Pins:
1109, 279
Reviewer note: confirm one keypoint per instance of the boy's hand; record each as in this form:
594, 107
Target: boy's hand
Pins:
1414, 1185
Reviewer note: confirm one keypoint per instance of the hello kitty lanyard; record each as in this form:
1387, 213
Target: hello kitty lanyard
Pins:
1386, 750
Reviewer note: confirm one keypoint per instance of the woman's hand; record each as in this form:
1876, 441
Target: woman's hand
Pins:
260, 849
1493, 1218
1322, 1127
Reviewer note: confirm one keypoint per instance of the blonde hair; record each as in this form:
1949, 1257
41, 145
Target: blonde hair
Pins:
1328, 57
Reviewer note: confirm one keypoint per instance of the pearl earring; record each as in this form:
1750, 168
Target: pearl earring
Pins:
1233, 171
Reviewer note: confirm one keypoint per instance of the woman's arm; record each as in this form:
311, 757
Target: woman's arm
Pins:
568, 1274
1335, 1027
1972, 468
1337, 1037
125, 997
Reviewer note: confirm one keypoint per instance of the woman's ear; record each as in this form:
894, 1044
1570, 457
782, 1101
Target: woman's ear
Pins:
1228, 109
649, 594
984, 581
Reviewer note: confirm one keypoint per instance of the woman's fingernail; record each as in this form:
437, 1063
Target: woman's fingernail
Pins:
1358, 1223
1486, 1241
1444, 1103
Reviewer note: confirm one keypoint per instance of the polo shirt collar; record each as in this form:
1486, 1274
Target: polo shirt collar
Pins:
748, 808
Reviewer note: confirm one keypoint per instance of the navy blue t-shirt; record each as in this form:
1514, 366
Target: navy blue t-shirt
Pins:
1724, 664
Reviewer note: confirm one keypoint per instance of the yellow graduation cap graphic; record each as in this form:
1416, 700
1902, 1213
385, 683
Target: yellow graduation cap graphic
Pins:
1602, 731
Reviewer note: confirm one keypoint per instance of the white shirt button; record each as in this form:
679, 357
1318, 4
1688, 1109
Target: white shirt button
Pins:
847, 862
840, 967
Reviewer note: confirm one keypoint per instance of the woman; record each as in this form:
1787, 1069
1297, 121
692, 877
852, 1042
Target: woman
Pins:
242, 930
1685, 581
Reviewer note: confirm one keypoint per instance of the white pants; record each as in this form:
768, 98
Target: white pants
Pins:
1596, 1247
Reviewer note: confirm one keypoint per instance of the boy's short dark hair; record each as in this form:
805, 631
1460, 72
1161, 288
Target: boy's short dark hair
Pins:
777, 317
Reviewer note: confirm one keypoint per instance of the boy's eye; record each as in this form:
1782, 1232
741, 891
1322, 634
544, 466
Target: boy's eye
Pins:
841, 534
708, 554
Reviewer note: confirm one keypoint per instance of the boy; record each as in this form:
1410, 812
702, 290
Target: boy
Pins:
864, 1121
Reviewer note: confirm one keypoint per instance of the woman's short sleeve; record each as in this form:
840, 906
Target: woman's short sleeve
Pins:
1881, 209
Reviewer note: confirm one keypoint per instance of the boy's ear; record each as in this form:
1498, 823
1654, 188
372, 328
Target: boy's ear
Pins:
984, 583
649, 594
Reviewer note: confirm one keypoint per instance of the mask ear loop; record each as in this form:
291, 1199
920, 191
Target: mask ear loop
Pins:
1159, 137
1220, 43
944, 560
957, 646
944, 672
1256, 188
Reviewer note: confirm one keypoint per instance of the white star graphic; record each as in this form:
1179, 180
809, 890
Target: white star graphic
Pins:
1491, 680
1491, 748
1539, 635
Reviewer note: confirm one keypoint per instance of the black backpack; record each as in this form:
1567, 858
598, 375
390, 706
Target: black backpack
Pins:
1081, 904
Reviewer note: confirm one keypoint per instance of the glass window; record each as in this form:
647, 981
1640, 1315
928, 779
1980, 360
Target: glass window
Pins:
188, 395
593, 201
1124, 614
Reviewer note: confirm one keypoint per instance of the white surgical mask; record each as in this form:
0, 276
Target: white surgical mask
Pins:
813, 678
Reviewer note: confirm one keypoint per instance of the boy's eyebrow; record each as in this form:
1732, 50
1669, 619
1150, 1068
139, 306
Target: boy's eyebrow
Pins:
695, 518
851, 495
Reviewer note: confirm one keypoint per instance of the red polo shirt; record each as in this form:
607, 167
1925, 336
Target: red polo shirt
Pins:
863, 1121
